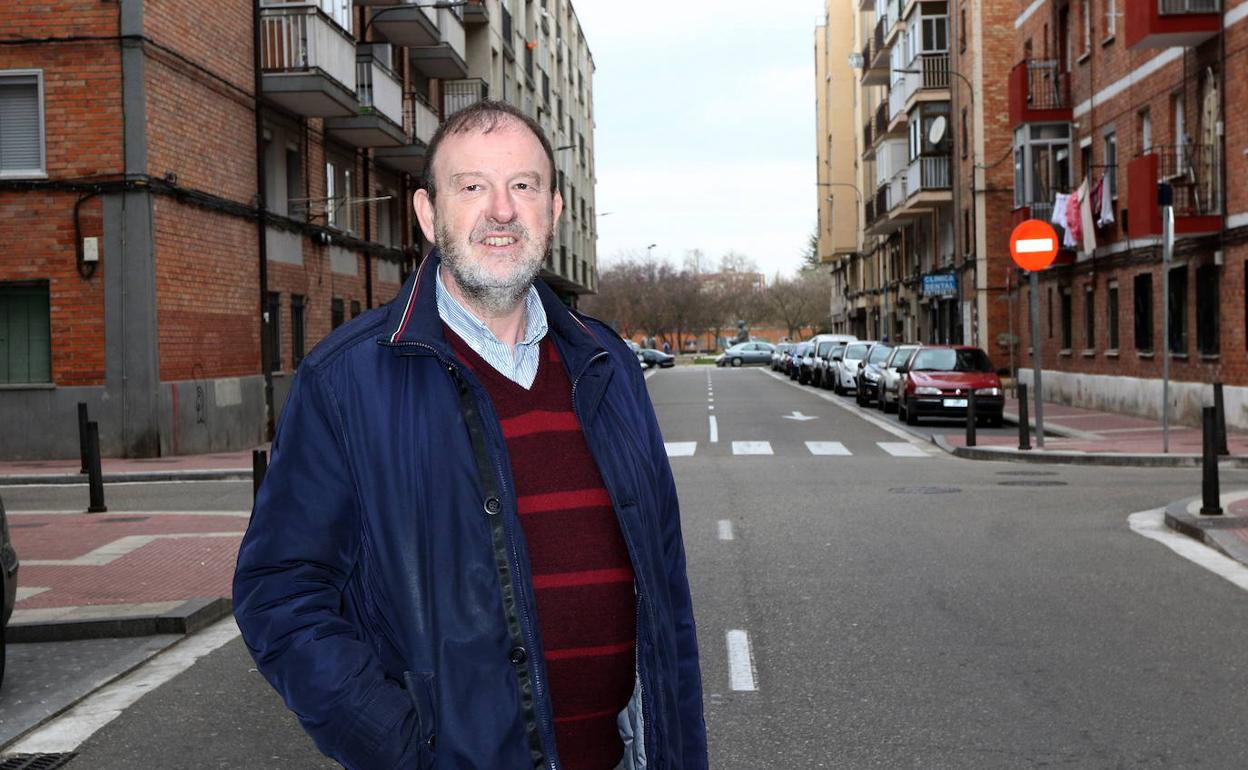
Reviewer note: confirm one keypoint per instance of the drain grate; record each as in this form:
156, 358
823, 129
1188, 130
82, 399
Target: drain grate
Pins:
1031, 483
924, 490
1026, 473
35, 761
118, 520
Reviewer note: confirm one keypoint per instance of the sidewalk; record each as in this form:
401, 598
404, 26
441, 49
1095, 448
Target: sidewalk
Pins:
217, 466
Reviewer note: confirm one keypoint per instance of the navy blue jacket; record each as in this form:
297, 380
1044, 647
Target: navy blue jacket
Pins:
383, 586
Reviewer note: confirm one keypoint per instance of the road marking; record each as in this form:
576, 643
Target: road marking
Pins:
111, 552
725, 529
740, 662
751, 448
829, 448
714, 429
1152, 524
799, 417
888, 427
711, 408
680, 448
902, 449
67, 732
710, 401
25, 592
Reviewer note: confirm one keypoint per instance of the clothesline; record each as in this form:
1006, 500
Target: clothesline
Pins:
1081, 212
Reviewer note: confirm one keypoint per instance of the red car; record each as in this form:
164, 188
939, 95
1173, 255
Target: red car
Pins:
938, 382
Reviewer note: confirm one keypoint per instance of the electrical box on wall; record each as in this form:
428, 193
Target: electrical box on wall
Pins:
91, 249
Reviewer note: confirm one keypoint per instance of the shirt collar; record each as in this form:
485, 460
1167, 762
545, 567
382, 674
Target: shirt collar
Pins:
464, 323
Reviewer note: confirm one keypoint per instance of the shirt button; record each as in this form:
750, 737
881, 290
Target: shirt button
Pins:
492, 506
518, 655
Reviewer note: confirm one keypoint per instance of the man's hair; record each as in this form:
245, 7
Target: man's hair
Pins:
483, 117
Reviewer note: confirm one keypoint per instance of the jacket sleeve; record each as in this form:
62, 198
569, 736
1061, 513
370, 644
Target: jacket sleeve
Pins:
689, 690
300, 548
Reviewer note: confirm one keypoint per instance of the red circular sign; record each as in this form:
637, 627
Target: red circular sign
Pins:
1033, 245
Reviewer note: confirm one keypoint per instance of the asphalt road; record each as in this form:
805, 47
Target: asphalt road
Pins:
900, 611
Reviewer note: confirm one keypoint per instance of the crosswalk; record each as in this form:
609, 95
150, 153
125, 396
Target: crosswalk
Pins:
902, 449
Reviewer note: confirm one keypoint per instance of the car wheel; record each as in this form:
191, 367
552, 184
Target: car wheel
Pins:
911, 417
995, 421
736, 362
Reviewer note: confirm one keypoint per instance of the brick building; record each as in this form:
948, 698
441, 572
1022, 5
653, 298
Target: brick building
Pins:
1124, 98
192, 194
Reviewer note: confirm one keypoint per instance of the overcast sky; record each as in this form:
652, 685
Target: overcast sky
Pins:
705, 127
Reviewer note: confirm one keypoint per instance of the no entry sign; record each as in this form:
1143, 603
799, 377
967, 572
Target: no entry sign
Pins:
1033, 245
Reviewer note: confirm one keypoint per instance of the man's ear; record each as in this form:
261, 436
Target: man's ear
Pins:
425, 214
556, 207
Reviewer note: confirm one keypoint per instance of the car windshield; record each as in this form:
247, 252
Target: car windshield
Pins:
855, 352
878, 354
825, 346
803, 349
951, 360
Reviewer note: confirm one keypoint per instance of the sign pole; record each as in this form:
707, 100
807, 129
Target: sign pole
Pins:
1033, 247
1167, 251
1033, 282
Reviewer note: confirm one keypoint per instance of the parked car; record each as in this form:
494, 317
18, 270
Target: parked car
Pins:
778, 356
939, 380
8, 581
867, 383
794, 370
846, 372
746, 353
641, 359
886, 394
657, 358
824, 345
806, 366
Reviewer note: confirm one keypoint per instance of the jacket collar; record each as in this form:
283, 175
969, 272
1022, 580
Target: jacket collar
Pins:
413, 319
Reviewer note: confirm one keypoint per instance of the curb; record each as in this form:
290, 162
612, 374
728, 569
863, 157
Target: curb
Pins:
189, 617
228, 474
1116, 459
1213, 531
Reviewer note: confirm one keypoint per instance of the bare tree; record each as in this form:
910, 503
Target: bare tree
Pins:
801, 302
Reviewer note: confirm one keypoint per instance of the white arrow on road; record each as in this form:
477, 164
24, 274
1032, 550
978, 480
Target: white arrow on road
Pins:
799, 417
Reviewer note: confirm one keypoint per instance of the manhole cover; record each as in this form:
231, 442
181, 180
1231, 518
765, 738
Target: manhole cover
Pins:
118, 520
31, 525
1026, 473
35, 761
924, 490
1036, 483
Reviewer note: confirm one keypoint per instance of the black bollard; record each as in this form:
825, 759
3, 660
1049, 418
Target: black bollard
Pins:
1220, 432
259, 464
1024, 425
970, 417
1211, 499
95, 477
82, 435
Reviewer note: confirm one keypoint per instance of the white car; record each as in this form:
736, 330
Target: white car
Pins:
845, 372
886, 396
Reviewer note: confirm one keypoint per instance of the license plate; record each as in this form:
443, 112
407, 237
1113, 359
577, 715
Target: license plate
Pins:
954, 403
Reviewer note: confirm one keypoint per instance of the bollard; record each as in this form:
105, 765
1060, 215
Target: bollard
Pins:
1220, 426
1211, 499
970, 417
95, 476
259, 464
1024, 426
82, 435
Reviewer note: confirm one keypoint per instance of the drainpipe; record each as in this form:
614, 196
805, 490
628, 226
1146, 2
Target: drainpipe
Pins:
261, 218
368, 234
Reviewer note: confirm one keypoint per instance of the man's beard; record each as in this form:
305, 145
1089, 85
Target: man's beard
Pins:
494, 293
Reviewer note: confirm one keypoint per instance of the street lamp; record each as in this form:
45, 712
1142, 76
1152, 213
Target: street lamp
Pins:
651, 246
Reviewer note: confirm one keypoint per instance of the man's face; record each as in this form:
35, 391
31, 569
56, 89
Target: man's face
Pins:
495, 215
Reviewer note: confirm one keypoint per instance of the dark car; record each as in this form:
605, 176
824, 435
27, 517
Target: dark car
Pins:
799, 352
8, 581
939, 380
867, 383
746, 353
653, 358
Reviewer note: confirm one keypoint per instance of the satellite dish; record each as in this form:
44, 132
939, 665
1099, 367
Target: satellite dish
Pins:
936, 131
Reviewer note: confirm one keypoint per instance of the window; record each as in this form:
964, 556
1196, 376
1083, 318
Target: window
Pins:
1143, 301
1089, 317
1041, 165
935, 26
962, 25
1067, 332
1178, 310
296, 329
1146, 132
273, 309
1111, 163
1207, 302
355, 308
295, 206
1109, 20
1085, 19
1111, 312
338, 193
337, 313
965, 134
21, 124
25, 333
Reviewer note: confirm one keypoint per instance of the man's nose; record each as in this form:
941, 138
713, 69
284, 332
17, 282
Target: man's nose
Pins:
502, 207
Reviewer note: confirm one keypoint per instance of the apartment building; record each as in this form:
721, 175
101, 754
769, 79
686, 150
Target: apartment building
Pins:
1122, 102
193, 194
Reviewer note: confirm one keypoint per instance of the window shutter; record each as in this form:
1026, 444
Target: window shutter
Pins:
20, 142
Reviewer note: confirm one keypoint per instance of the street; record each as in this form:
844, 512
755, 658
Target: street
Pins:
864, 600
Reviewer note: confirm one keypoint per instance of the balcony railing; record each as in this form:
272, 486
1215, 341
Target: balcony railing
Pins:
1184, 7
881, 201
866, 135
458, 94
881, 118
935, 69
927, 172
1048, 88
1192, 172
378, 89
421, 119
299, 37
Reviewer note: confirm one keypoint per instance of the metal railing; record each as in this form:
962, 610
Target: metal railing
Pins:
881, 201
298, 37
927, 172
458, 94
1185, 7
935, 68
881, 31
420, 118
881, 118
1048, 88
1193, 173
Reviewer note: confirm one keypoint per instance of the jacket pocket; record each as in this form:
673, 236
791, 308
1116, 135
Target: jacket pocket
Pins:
420, 689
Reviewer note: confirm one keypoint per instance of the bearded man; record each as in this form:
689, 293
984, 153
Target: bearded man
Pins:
467, 552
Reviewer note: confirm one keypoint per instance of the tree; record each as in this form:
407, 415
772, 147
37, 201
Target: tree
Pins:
801, 302
810, 257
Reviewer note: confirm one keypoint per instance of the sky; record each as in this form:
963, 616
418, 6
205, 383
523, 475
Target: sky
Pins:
704, 131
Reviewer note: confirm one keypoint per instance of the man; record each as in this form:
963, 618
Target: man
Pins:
467, 550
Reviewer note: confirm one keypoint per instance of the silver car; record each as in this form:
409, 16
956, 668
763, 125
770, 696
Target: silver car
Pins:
846, 371
886, 396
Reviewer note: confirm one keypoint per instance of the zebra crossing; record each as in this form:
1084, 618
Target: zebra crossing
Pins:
901, 449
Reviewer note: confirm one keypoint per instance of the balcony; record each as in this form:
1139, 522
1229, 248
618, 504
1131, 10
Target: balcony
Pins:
445, 60
880, 45
874, 67
866, 5
1165, 23
458, 94
379, 119
476, 13
420, 121
879, 222
406, 24
1192, 171
307, 60
1039, 93
868, 146
926, 184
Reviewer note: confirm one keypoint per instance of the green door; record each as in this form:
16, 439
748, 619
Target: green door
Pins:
25, 334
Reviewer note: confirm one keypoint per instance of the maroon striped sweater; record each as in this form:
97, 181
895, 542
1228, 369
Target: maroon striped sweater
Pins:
582, 576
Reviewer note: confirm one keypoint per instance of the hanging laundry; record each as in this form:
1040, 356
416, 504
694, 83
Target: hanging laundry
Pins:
1060, 205
1087, 225
1074, 226
1096, 198
1106, 215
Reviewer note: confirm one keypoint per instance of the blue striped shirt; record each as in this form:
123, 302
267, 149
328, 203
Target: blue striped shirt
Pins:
518, 363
